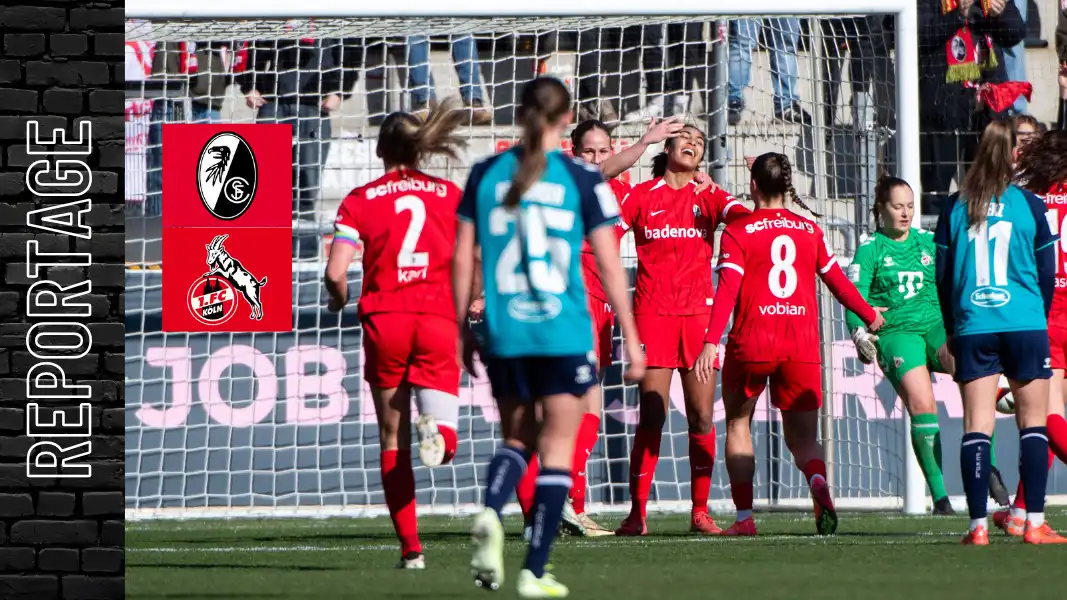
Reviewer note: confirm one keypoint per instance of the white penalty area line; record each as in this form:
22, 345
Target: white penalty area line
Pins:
912, 539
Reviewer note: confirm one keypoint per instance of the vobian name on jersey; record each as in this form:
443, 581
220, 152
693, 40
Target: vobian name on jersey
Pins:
781, 309
779, 223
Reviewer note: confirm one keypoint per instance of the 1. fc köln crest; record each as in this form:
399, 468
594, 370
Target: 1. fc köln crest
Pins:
239, 281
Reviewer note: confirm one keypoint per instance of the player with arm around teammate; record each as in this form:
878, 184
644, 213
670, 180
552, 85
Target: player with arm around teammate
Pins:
674, 232
529, 209
996, 271
768, 262
1042, 169
407, 223
895, 268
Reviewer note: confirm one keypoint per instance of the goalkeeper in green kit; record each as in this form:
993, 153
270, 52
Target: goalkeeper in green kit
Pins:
895, 268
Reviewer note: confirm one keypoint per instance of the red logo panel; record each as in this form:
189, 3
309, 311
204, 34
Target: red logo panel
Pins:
227, 280
227, 228
226, 174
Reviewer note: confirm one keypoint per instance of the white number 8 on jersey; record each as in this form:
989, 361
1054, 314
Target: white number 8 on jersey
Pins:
783, 255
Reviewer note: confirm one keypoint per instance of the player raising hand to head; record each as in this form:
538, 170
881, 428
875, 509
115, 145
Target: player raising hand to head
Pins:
674, 226
407, 222
768, 262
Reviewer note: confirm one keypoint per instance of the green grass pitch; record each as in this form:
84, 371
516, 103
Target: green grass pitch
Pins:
873, 557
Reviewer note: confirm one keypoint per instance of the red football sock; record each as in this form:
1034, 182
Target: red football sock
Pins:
588, 433
451, 442
643, 459
1056, 428
527, 487
701, 464
1020, 497
814, 467
742, 494
398, 481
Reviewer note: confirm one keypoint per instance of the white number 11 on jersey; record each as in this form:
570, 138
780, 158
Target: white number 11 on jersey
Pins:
1000, 235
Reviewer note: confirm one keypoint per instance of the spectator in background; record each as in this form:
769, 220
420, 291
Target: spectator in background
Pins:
949, 119
299, 82
784, 35
669, 76
206, 69
592, 103
1015, 60
423, 95
866, 41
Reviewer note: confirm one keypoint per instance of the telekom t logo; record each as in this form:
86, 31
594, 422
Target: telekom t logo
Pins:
910, 283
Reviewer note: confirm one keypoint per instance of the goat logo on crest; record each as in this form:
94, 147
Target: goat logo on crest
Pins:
226, 176
213, 298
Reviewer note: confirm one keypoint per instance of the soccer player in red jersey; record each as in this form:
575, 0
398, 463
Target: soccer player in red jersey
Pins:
674, 227
407, 222
768, 262
591, 141
1042, 169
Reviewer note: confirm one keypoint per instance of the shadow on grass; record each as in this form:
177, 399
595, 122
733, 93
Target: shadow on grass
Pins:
385, 537
241, 566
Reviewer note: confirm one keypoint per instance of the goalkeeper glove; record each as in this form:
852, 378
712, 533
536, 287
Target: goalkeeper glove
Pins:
865, 345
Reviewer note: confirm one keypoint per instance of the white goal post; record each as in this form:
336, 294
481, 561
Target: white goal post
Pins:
160, 484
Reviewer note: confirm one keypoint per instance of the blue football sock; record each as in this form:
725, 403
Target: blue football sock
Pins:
1033, 467
505, 471
974, 467
553, 485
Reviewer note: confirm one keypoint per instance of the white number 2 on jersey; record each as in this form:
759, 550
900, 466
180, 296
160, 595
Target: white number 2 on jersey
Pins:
408, 258
782, 278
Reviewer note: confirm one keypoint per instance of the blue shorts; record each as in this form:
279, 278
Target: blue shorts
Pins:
1018, 355
532, 377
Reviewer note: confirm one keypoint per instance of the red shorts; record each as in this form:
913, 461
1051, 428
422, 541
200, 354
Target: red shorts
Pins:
794, 385
603, 325
1057, 341
417, 348
672, 341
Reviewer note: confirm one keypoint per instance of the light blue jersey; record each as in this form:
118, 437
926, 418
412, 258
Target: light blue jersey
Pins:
997, 277
535, 302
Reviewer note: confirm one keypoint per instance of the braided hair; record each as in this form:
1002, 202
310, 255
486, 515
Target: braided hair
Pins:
773, 174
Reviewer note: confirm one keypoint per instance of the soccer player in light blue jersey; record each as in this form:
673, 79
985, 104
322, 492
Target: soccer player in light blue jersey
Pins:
529, 209
996, 269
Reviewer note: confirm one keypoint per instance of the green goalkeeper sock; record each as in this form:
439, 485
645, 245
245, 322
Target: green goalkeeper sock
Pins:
926, 440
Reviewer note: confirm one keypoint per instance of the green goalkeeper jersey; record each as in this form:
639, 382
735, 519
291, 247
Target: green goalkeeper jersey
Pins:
901, 277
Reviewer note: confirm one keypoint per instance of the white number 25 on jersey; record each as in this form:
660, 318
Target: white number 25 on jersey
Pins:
548, 256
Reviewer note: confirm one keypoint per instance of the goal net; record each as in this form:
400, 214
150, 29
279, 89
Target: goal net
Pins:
283, 425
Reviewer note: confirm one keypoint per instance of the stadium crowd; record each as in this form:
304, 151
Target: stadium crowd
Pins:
305, 81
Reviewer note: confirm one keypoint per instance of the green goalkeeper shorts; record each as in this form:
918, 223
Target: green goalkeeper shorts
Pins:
899, 353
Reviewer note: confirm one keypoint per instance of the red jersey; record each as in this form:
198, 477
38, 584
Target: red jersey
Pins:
1056, 201
674, 231
407, 222
590, 270
775, 255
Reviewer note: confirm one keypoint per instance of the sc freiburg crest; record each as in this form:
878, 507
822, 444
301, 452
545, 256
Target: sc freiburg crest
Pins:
226, 176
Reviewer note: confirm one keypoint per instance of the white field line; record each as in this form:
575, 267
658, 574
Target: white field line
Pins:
915, 538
